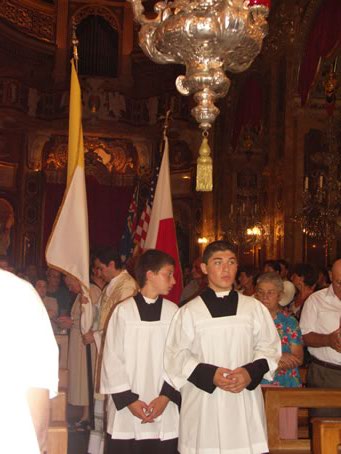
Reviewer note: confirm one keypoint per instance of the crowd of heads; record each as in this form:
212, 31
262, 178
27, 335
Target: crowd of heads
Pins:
106, 263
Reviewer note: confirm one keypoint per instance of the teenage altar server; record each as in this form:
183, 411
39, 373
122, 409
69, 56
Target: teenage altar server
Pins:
219, 347
143, 415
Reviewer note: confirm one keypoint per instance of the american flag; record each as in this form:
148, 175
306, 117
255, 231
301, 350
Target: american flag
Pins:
127, 240
142, 226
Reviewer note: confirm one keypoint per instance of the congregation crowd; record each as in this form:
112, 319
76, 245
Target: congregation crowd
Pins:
188, 379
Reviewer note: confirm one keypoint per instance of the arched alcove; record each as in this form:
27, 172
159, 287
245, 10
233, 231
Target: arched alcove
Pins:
98, 47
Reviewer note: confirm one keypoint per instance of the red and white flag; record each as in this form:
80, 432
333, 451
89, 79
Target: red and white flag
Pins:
161, 232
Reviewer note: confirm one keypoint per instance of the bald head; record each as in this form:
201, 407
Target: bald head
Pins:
336, 278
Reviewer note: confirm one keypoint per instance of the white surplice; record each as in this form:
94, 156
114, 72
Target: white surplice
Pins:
133, 360
221, 422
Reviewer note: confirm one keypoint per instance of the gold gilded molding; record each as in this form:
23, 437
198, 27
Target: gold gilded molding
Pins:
105, 158
106, 13
28, 20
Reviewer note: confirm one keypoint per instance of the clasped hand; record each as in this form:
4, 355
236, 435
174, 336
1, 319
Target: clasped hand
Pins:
233, 381
149, 412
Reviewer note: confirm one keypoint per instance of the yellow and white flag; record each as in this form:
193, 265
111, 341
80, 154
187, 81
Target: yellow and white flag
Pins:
68, 246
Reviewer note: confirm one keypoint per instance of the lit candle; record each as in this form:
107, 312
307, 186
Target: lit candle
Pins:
306, 183
321, 181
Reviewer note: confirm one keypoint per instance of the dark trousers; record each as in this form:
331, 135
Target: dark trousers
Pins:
115, 446
323, 377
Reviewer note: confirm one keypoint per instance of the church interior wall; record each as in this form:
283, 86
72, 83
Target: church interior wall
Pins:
265, 172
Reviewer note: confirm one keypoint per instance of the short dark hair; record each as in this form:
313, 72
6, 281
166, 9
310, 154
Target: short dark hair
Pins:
216, 246
308, 272
108, 254
324, 270
151, 260
284, 263
248, 270
274, 265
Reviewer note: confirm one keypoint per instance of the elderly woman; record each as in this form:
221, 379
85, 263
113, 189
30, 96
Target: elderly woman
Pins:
269, 290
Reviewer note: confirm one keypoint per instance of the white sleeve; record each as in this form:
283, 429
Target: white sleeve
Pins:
308, 316
114, 377
179, 362
42, 354
267, 343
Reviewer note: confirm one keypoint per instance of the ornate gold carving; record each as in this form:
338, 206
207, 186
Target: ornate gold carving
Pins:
56, 159
35, 23
106, 13
106, 159
118, 155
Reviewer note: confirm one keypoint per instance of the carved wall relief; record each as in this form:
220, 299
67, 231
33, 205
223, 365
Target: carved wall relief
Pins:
111, 161
32, 21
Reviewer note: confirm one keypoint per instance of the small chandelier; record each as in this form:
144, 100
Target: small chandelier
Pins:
209, 37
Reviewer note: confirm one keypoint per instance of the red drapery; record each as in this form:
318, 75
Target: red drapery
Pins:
324, 37
107, 209
250, 107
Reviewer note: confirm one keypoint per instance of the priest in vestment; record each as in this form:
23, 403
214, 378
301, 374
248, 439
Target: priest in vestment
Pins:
120, 286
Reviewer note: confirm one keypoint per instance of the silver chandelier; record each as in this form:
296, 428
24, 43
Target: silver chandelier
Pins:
209, 37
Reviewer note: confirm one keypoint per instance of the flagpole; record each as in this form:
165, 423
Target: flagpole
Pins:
75, 43
166, 123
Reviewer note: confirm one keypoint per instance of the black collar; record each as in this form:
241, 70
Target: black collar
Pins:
148, 312
220, 307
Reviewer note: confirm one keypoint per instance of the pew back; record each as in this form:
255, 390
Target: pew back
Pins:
326, 435
275, 398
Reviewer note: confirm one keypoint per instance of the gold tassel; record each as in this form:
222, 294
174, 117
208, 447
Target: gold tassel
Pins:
204, 167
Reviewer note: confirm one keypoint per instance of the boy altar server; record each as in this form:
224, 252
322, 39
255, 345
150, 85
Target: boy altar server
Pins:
219, 347
143, 415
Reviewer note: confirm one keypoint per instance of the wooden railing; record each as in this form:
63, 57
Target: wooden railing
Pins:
276, 398
57, 432
326, 435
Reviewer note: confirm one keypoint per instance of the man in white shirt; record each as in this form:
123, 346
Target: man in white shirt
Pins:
29, 376
320, 325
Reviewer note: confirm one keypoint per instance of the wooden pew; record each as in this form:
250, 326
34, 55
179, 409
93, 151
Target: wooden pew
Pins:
57, 432
326, 435
58, 408
275, 398
57, 438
